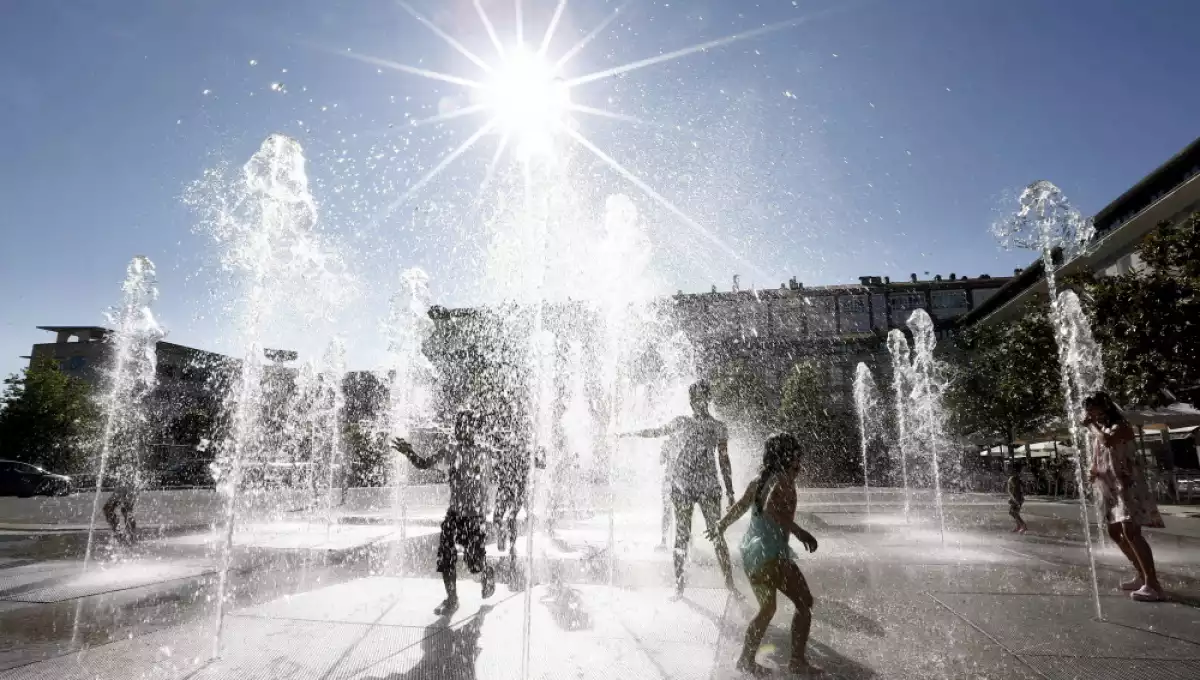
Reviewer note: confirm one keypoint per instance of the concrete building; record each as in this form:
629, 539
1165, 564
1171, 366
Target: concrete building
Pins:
840, 325
81, 352
187, 378
768, 330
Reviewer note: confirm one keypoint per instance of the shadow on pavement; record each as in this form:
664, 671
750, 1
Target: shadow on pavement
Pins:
567, 608
780, 637
446, 653
839, 615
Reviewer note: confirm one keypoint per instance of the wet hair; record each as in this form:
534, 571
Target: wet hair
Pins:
1105, 404
780, 452
700, 390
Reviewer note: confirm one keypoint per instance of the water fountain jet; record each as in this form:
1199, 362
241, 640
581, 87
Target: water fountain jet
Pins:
1047, 222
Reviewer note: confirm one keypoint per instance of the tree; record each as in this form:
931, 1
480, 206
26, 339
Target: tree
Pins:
740, 392
367, 455
815, 411
1004, 380
47, 418
1148, 321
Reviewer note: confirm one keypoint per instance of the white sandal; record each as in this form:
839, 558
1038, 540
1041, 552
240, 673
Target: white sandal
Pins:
1146, 594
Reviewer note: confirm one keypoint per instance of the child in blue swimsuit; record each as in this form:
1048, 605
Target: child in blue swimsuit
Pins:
769, 562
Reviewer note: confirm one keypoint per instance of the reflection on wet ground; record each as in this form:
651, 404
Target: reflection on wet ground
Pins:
355, 602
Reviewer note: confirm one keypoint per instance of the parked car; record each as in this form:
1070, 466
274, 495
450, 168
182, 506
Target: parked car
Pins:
191, 474
25, 480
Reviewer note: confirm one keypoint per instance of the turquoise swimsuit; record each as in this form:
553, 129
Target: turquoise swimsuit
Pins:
764, 542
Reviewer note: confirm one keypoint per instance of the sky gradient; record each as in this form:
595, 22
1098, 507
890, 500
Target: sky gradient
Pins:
868, 138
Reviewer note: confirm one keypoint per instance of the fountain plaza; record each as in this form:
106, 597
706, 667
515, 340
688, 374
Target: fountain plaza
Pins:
301, 575
894, 598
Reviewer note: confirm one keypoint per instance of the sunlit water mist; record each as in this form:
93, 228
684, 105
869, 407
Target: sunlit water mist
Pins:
327, 427
129, 378
866, 405
265, 224
1048, 223
928, 434
901, 395
409, 378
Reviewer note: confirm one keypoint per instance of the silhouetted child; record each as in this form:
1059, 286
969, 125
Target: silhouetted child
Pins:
703, 445
466, 517
1016, 498
512, 476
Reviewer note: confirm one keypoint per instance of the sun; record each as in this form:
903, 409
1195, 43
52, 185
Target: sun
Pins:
528, 106
528, 101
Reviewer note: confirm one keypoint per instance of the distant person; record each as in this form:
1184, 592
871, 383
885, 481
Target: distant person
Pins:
1120, 484
512, 477
694, 480
119, 508
466, 517
1016, 499
118, 511
769, 562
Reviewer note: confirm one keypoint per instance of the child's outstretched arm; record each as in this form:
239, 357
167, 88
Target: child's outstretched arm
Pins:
404, 448
653, 432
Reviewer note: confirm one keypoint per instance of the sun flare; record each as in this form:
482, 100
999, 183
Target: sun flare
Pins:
527, 100
528, 104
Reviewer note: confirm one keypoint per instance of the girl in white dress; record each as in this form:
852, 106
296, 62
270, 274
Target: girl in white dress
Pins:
1120, 483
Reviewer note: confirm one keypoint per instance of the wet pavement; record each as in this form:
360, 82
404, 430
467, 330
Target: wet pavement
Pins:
354, 599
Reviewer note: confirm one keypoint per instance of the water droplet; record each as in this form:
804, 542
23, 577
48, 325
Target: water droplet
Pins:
278, 87
206, 92
254, 62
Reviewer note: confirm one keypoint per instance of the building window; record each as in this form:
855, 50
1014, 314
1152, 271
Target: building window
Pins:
853, 304
908, 301
949, 299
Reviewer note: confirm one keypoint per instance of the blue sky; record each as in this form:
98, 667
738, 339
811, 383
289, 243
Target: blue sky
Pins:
873, 138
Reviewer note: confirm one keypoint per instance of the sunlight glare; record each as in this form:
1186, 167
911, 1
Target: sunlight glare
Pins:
527, 100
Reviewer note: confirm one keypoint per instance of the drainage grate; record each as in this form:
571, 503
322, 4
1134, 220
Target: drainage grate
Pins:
1072, 668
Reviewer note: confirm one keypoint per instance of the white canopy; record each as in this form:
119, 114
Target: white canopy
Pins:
1175, 415
1036, 450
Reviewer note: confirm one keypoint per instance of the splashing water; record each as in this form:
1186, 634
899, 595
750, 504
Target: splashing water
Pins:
408, 375
1082, 375
866, 403
927, 387
265, 222
129, 378
901, 392
327, 426
1047, 222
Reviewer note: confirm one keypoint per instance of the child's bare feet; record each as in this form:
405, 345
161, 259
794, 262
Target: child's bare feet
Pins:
804, 669
447, 607
752, 667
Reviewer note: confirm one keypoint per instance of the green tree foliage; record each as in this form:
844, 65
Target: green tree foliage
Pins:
740, 393
366, 454
1148, 321
820, 415
46, 418
1004, 380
